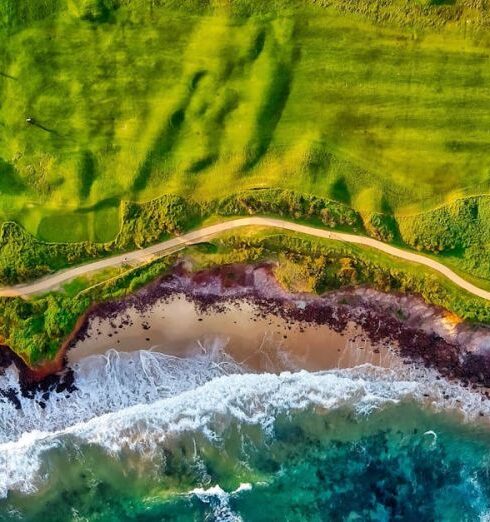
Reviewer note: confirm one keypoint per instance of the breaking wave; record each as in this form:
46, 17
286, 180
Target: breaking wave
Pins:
219, 501
195, 398
111, 382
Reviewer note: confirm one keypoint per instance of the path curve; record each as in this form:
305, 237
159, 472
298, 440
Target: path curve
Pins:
171, 245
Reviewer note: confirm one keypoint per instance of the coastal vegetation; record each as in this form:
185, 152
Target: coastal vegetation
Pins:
318, 265
35, 329
456, 233
23, 257
126, 122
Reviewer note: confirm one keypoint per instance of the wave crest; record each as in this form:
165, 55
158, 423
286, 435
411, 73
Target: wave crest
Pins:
111, 382
252, 399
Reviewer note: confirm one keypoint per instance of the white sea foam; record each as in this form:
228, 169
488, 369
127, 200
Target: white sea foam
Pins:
246, 399
110, 382
219, 500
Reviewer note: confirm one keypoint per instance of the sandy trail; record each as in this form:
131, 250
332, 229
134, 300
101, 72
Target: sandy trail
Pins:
196, 236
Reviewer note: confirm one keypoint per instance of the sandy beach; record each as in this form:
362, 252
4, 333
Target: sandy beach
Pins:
261, 341
245, 308
262, 325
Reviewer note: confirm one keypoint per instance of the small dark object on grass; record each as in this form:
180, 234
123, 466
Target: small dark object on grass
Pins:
31, 121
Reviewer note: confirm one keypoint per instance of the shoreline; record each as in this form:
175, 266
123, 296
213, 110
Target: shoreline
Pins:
418, 332
254, 339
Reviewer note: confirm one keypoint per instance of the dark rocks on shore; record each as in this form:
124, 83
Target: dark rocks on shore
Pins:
59, 382
406, 323
11, 395
417, 331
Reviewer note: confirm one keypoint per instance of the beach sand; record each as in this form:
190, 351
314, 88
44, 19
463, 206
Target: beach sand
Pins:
263, 342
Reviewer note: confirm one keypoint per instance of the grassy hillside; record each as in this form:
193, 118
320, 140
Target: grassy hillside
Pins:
379, 105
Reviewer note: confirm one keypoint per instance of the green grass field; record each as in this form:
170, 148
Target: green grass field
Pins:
383, 106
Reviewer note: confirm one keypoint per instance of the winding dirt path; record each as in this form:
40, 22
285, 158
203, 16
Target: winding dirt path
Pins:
171, 245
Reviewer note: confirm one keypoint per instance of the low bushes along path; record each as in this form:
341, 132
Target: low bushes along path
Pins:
171, 245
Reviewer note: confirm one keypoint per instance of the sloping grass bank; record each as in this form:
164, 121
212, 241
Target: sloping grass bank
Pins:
376, 104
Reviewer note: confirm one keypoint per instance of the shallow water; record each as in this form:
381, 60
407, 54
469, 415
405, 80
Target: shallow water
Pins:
153, 437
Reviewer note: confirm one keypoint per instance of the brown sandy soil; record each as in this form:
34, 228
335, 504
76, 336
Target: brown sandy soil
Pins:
263, 342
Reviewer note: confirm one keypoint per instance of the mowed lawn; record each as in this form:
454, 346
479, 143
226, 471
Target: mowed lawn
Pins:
139, 102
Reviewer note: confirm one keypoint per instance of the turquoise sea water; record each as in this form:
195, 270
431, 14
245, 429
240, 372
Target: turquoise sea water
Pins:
361, 444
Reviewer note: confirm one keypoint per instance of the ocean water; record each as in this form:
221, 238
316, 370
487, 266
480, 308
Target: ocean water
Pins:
152, 437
